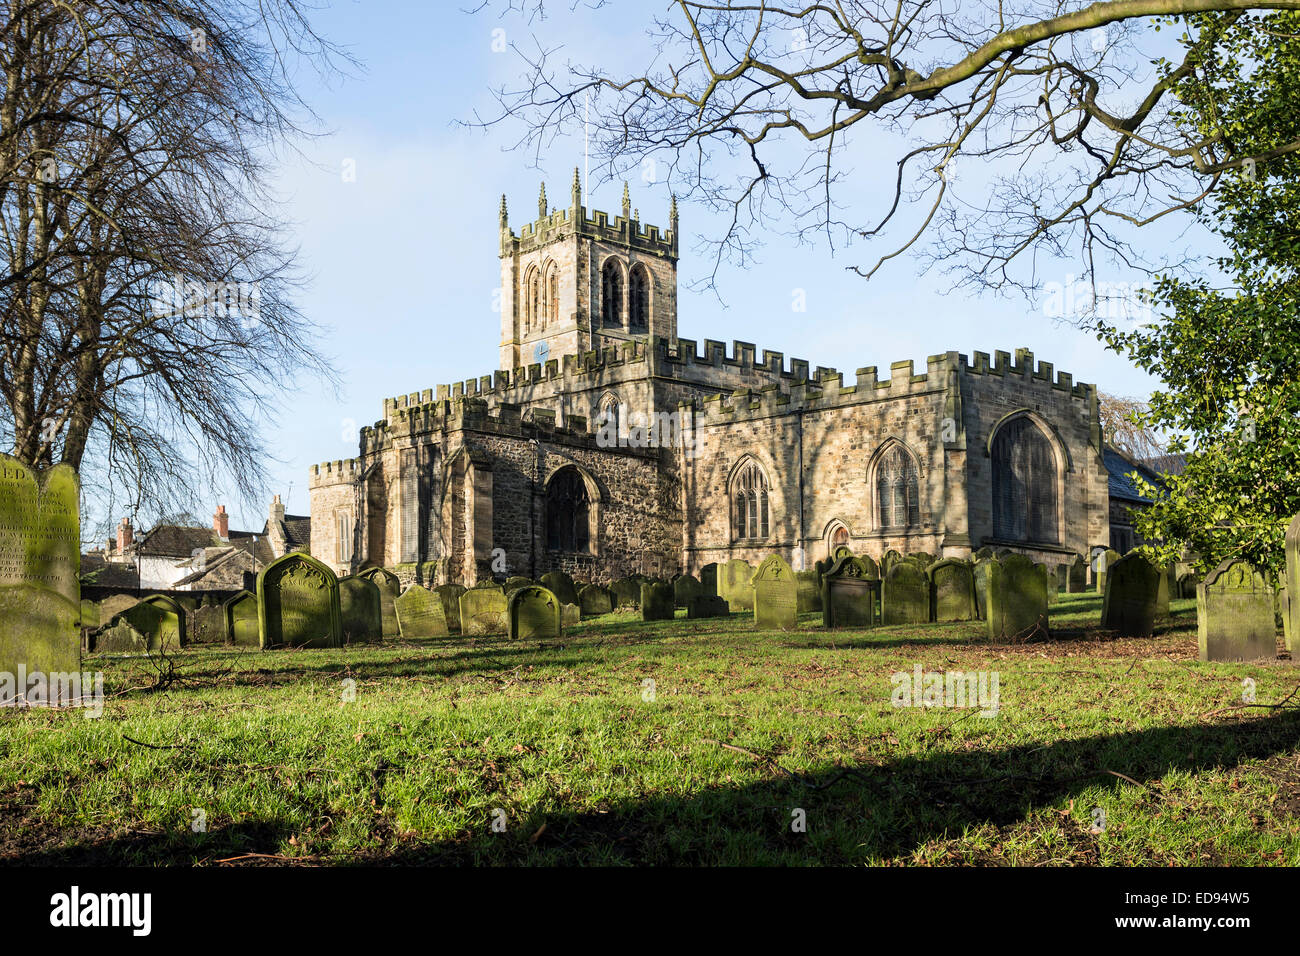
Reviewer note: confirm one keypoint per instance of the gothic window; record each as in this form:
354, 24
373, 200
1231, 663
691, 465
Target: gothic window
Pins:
552, 295
840, 538
568, 513
611, 294
638, 299
607, 415
343, 550
749, 494
532, 298
898, 490
1024, 484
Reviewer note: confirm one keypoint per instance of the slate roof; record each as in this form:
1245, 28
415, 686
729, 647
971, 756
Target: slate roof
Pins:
171, 540
1119, 466
113, 574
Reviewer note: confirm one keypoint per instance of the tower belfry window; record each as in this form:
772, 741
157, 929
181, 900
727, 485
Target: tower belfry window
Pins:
611, 295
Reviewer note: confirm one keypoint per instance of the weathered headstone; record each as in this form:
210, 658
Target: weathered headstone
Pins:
389, 588
709, 579
515, 583
1076, 575
360, 609
708, 605
1129, 602
595, 600
1291, 548
627, 592
207, 625
561, 585
776, 595
924, 557
809, 591
1234, 614
888, 560
849, 594
450, 594
657, 602
841, 551
1017, 599
982, 571
686, 587
483, 610
734, 585
905, 594
534, 612
1049, 582
1164, 591
952, 588
570, 614
40, 557
1101, 564
241, 620
164, 631
298, 603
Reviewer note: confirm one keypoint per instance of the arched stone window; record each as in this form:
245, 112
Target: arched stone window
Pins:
568, 513
1025, 498
532, 298
550, 310
638, 299
611, 294
898, 500
607, 415
749, 495
839, 538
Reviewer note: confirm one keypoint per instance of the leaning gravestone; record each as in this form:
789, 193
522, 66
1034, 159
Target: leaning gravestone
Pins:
389, 588
905, 594
595, 600
1131, 597
686, 587
734, 585
561, 585
809, 591
533, 612
707, 605
1076, 575
1234, 615
360, 609
241, 619
657, 602
849, 594
776, 594
450, 594
483, 610
40, 557
952, 588
709, 579
627, 592
1017, 599
298, 603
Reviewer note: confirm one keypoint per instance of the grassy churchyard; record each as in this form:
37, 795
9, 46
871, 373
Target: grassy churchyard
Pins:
679, 742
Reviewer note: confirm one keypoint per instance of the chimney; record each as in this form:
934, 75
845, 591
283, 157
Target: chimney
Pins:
277, 509
275, 529
125, 536
108, 549
221, 523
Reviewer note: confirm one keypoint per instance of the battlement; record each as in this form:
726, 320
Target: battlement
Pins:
743, 356
624, 230
335, 472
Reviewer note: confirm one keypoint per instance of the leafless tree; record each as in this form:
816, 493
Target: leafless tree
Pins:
1123, 425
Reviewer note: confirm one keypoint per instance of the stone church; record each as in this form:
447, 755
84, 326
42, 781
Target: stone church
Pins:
606, 445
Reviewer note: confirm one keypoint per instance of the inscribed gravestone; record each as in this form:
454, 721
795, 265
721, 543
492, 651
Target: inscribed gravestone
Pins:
40, 556
952, 587
1234, 615
657, 602
389, 588
561, 585
241, 619
483, 610
208, 625
686, 587
595, 600
570, 614
905, 594
776, 595
888, 560
533, 612
708, 605
627, 592
848, 594
709, 579
809, 591
1129, 602
360, 609
298, 603
1017, 599
734, 585
450, 594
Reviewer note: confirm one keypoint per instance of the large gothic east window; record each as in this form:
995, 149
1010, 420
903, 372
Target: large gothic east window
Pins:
568, 513
750, 518
898, 490
1024, 484
611, 295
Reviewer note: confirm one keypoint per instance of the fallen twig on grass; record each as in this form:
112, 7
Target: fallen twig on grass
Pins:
1280, 705
141, 743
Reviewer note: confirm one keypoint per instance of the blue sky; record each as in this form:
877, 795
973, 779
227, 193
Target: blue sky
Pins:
403, 260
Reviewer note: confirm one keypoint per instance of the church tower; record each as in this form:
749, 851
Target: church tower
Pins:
571, 283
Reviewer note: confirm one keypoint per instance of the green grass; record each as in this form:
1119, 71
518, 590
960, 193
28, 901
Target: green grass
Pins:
745, 728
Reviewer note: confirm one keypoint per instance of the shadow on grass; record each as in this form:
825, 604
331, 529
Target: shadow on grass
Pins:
248, 842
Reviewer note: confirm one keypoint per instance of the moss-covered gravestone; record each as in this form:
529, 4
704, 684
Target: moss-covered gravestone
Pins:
952, 590
389, 588
594, 600
515, 583
734, 584
483, 611
450, 594
848, 593
627, 592
686, 587
165, 629
924, 557
241, 619
982, 571
360, 609
888, 560
533, 612
1164, 592
1017, 599
1076, 575
707, 605
420, 614
809, 591
657, 601
905, 594
709, 579
298, 603
561, 585
776, 594
1101, 564
1234, 614
40, 557
1129, 602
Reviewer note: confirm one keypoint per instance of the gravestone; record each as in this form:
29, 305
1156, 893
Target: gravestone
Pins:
1103, 561
708, 605
1234, 615
709, 579
570, 614
888, 560
983, 554
982, 571
1017, 599
298, 603
1129, 602
450, 594
360, 609
1164, 591
389, 588
40, 557
164, 630
905, 594
515, 583
627, 592
208, 625
89, 613
776, 594
809, 591
841, 551
849, 594
1076, 575
241, 620
483, 610
1291, 547
594, 600
533, 612
657, 602
1049, 582
119, 636
924, 557
686, 587
561, 585
952, 589
734, 585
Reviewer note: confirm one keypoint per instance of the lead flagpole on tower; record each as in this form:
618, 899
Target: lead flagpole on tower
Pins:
586, 140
